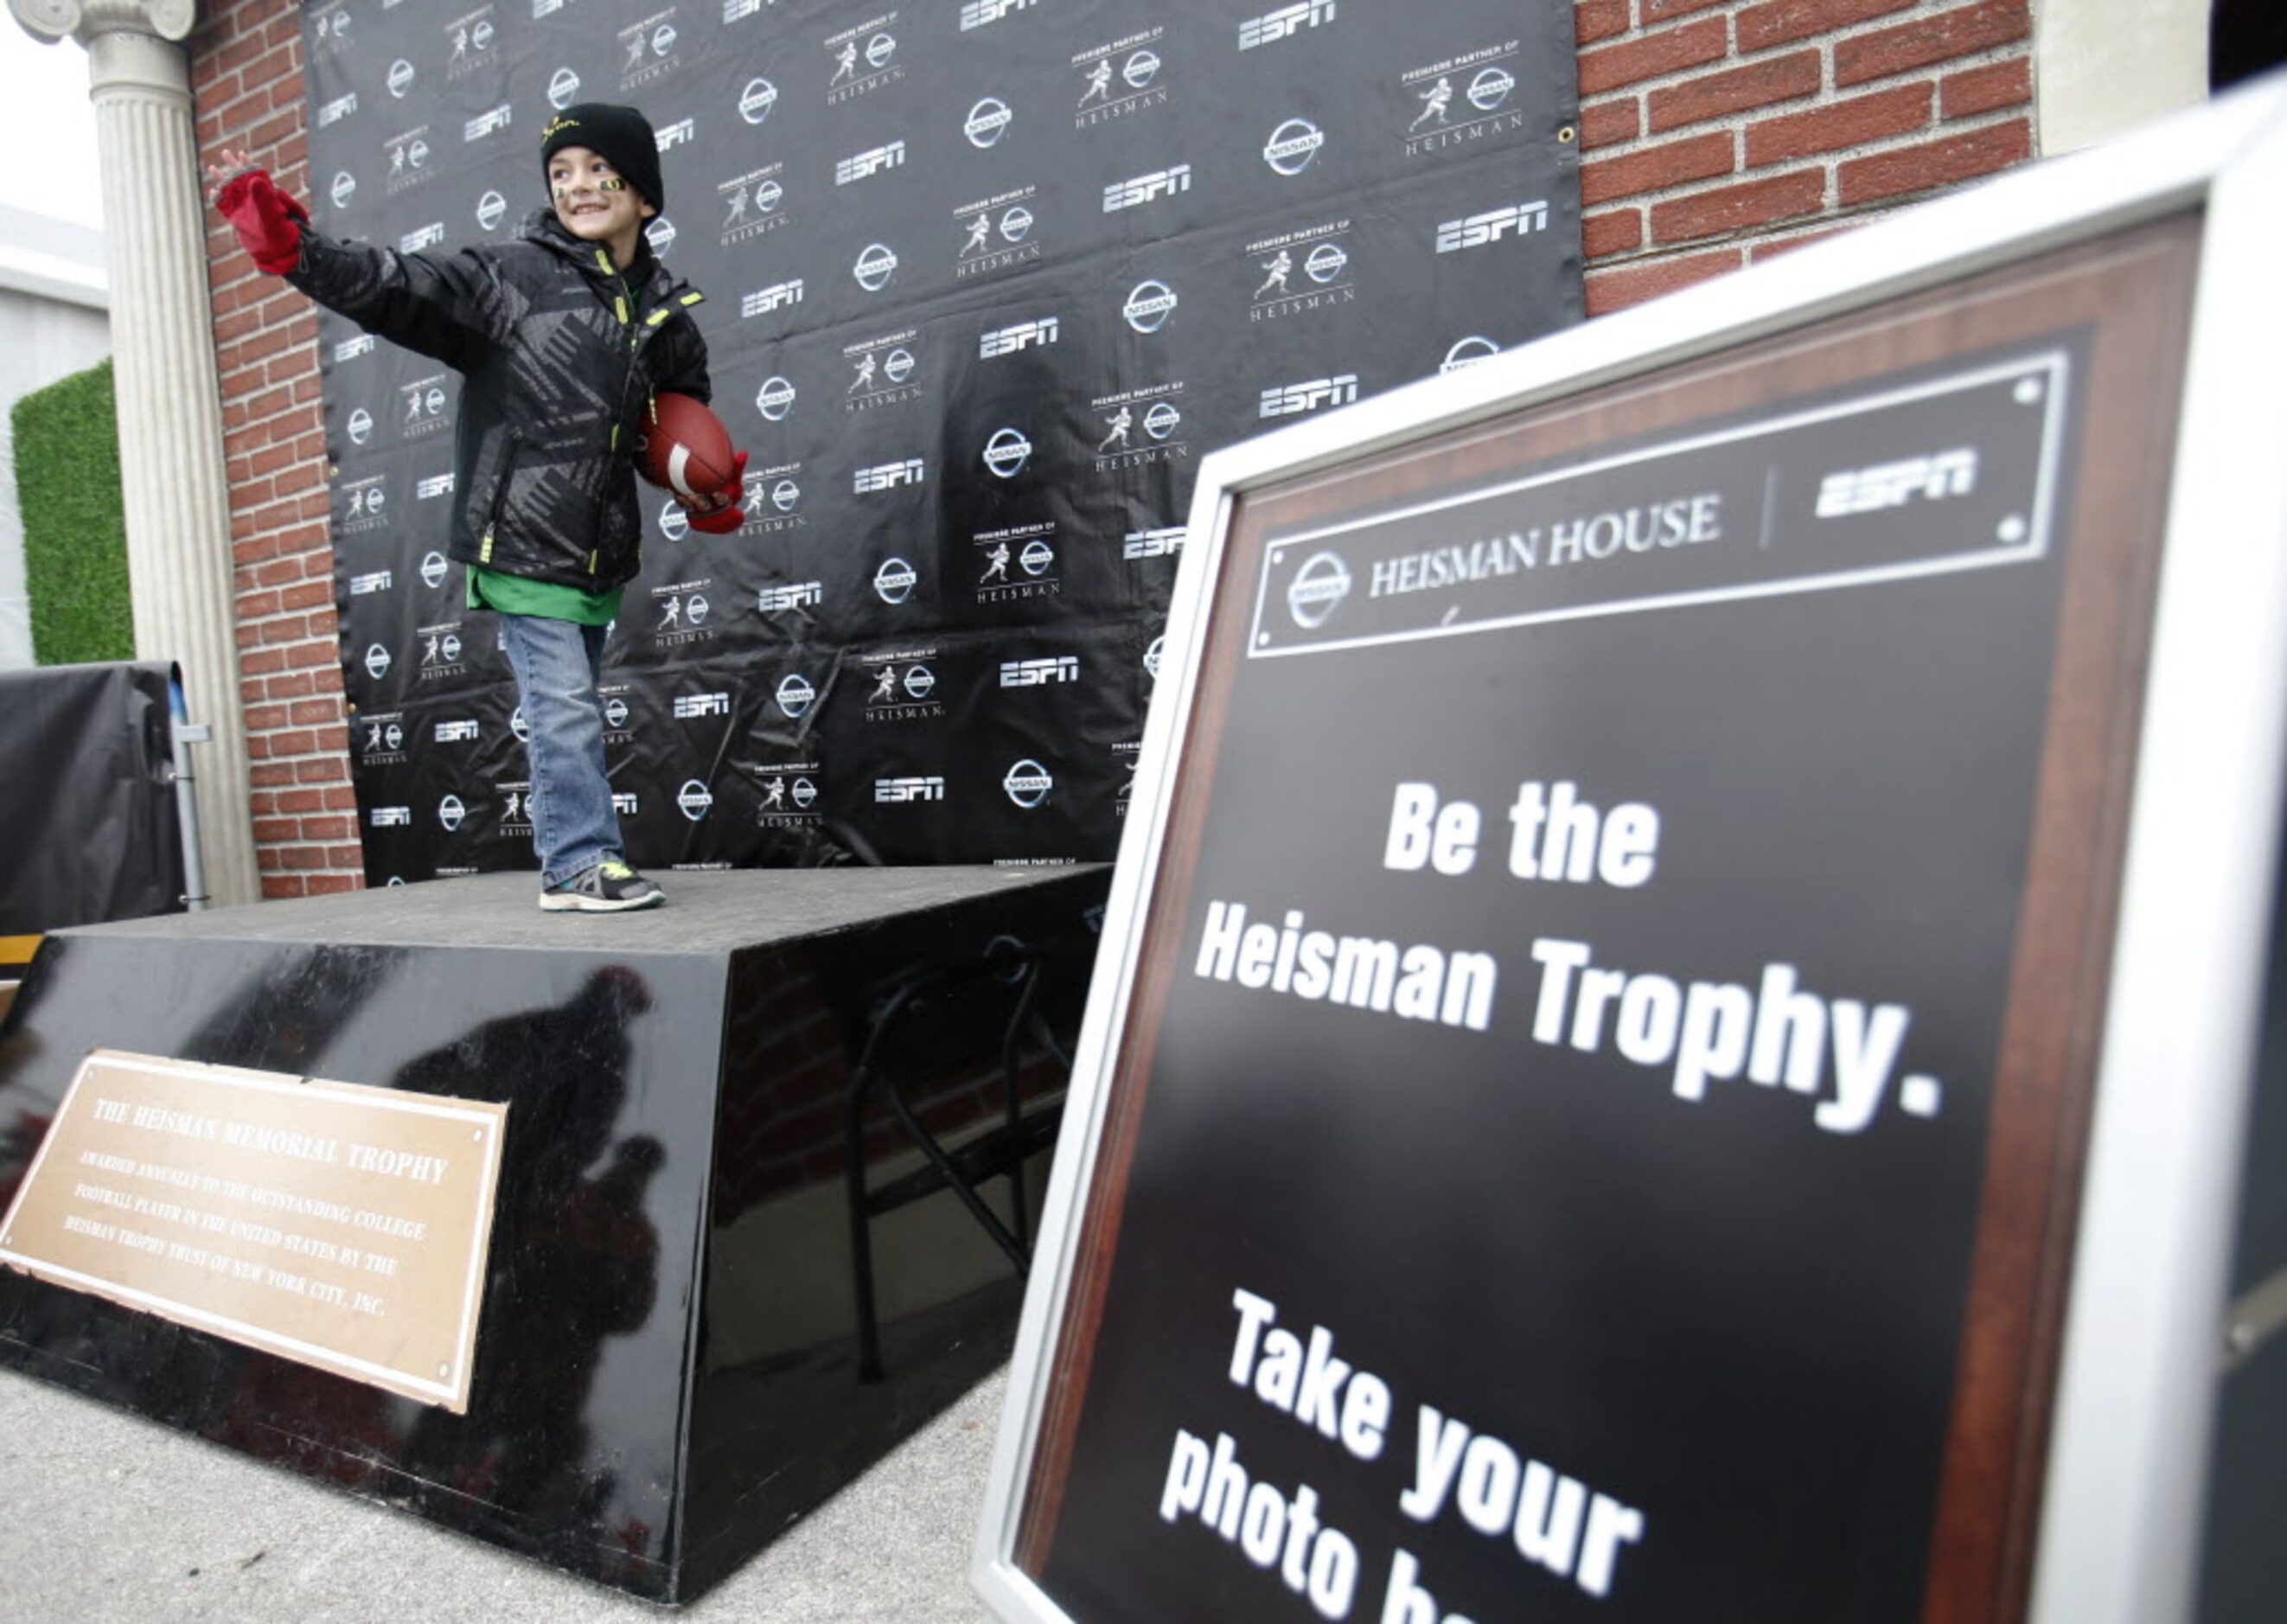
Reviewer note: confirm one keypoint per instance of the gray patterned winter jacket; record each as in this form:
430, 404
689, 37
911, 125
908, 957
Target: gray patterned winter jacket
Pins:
558, 352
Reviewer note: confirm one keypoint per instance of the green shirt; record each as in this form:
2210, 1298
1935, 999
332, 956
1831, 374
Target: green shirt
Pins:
546, 600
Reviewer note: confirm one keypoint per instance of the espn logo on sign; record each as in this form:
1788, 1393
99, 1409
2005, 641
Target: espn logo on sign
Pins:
677, 134
1287, 399
976, 13
1143, 189
775, 599
689, 707
377, 582
339, 107
626, 804
478, 128
889, 790
350, 348
392, 817
1479, 230
872, 163
775, 297
436, 485
1894, 484
1021, 336
1040, 673
1153, 544
1273, 26
428, 236
888, 476
457, 733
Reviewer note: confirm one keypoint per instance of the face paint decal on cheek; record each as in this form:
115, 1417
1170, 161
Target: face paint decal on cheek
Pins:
611, 183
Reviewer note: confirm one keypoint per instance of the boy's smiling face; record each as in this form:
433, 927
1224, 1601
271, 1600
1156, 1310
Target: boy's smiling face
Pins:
594, 201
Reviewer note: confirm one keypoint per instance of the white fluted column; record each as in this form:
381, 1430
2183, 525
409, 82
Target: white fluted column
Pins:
171, 460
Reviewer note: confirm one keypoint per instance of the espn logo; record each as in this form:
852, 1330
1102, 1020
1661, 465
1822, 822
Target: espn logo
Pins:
377, 582
1894, 484
689, 707
340, 107
1479, 229
478, 128
350, 348
428, 236
392, 817
435, 485
775, 297
678, 133
457, 733
1143, 189
1273, 26
1021, 336
873, 162
1040, 673
775, 599
625, 803
976, 13
889, 790
1153, 544
1286, 400
888, 476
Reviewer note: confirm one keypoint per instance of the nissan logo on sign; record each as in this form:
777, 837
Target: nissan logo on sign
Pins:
756, 100
1006, 453
1028, 783
1148, 305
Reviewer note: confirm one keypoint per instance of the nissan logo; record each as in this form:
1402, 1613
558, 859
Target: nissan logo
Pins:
674, 523
517, 725
662, 39
563, 88
804, 792
1140, 69
615, 716
794, 695
894, 580
401, 77
376, 661
1325, 262
880, 48
1005, 454
1151, 657
1037, 556
1317, 589
1028, 783
768, 195
1161, 421
987, 121
345, 187
784, 494
1491, 88
450, 812
695, 799
694, 609
1148, 305
897, 365
1016, 223
756, 100
1467, 353
661, 234
919, 681
433, 570
775, 399
1292, 144
492, 208
361, 427
875, 267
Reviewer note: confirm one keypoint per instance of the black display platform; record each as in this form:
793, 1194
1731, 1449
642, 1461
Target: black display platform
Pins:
667, 1369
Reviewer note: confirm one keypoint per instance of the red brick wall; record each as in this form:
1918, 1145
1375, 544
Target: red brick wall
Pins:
1715, 133
246, 79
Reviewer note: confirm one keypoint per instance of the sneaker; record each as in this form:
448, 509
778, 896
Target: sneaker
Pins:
610, 887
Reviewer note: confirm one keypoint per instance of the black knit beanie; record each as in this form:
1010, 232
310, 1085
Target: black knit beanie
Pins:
621, 136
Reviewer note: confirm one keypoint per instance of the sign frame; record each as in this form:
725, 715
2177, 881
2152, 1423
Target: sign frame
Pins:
2130, 1423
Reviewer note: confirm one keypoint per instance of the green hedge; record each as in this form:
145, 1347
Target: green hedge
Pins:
75, 534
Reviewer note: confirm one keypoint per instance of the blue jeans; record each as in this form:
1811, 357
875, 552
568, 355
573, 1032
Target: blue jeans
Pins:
557, 665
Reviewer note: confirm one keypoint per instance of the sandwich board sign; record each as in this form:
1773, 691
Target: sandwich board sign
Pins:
1682, 985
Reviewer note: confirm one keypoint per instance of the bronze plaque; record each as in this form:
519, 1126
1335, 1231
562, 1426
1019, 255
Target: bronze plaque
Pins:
337, 1224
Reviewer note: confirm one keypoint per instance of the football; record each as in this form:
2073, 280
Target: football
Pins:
684, 448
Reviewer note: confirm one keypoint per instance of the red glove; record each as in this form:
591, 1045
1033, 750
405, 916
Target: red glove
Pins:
730, 516
268, 222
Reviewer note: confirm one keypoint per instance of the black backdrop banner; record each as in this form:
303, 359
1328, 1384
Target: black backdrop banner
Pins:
985, 279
